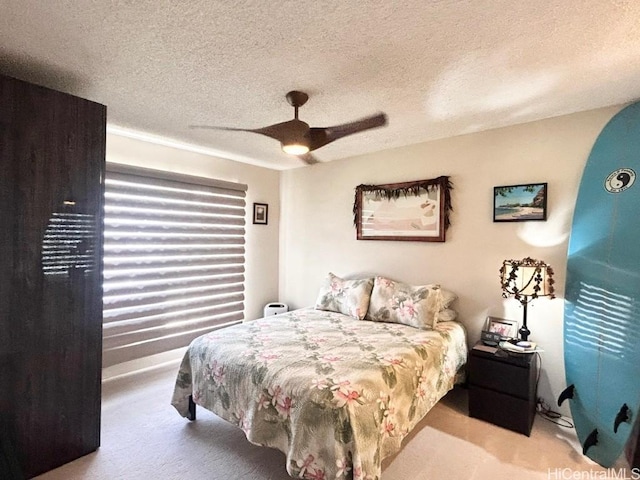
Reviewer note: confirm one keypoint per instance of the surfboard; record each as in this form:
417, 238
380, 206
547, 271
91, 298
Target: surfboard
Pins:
602, 294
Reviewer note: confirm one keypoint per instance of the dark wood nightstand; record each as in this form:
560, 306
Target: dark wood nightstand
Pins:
502, 387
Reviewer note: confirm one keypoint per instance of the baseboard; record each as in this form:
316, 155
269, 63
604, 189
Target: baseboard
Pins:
142, 364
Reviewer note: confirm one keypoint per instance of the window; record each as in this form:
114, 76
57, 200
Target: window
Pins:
173, 260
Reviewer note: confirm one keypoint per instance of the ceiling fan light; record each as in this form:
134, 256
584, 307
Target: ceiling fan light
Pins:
295, 148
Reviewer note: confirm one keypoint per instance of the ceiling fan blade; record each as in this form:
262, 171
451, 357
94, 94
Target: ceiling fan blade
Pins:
308, 158
278, 131
319, 137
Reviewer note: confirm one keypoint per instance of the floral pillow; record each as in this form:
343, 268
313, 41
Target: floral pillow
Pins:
416, 306
349, 297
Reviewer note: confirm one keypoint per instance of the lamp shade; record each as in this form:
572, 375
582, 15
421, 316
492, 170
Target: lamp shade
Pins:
526, 278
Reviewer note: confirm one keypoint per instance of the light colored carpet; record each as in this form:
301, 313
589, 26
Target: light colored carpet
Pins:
143, 437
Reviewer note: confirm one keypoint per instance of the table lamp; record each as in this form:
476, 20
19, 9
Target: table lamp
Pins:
526, 280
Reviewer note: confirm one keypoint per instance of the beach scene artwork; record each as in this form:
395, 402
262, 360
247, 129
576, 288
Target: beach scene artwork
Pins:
410, 215
516, 203
405, 211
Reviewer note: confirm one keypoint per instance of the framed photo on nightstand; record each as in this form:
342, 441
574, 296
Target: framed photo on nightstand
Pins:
502, 327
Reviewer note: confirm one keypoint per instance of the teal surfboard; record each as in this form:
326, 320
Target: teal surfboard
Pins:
602, 294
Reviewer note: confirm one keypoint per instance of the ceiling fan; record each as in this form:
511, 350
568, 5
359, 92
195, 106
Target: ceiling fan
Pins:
297, 138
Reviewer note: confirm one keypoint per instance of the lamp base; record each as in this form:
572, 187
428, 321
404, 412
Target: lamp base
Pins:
524, 333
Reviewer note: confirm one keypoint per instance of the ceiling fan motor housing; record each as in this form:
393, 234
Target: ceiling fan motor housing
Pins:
295, 135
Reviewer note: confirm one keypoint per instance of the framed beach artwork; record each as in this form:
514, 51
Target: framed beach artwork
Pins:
520, 203
410, 211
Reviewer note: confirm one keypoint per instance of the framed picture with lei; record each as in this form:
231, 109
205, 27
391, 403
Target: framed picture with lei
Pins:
408, 211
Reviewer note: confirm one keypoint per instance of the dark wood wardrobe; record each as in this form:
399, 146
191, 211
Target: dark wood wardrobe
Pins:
52, 159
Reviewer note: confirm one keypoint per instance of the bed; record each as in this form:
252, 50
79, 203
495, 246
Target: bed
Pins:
336, 393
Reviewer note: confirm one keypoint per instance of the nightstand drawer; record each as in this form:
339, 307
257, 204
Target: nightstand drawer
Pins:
500, 409
503, 377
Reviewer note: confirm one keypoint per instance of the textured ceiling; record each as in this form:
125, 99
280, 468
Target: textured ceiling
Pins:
438, 68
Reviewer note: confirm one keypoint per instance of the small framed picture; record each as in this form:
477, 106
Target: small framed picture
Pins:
503, 327
520, 203
260, 213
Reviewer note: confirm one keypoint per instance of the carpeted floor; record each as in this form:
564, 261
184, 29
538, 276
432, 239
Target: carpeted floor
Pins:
144, 438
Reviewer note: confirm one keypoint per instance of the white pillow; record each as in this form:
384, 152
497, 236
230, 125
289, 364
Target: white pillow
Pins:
448, 297
447, 315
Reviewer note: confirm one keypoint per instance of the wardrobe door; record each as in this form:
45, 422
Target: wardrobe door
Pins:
52, 154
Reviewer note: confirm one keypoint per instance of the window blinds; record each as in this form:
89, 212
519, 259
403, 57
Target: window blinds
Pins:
173, 260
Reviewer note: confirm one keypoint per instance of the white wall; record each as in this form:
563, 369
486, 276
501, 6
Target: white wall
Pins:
261, 257
318, 235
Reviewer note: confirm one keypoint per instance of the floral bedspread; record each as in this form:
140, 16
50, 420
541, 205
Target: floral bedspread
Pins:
335, 394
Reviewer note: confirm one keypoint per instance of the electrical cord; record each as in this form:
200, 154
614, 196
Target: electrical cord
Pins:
544, 410
552, 416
